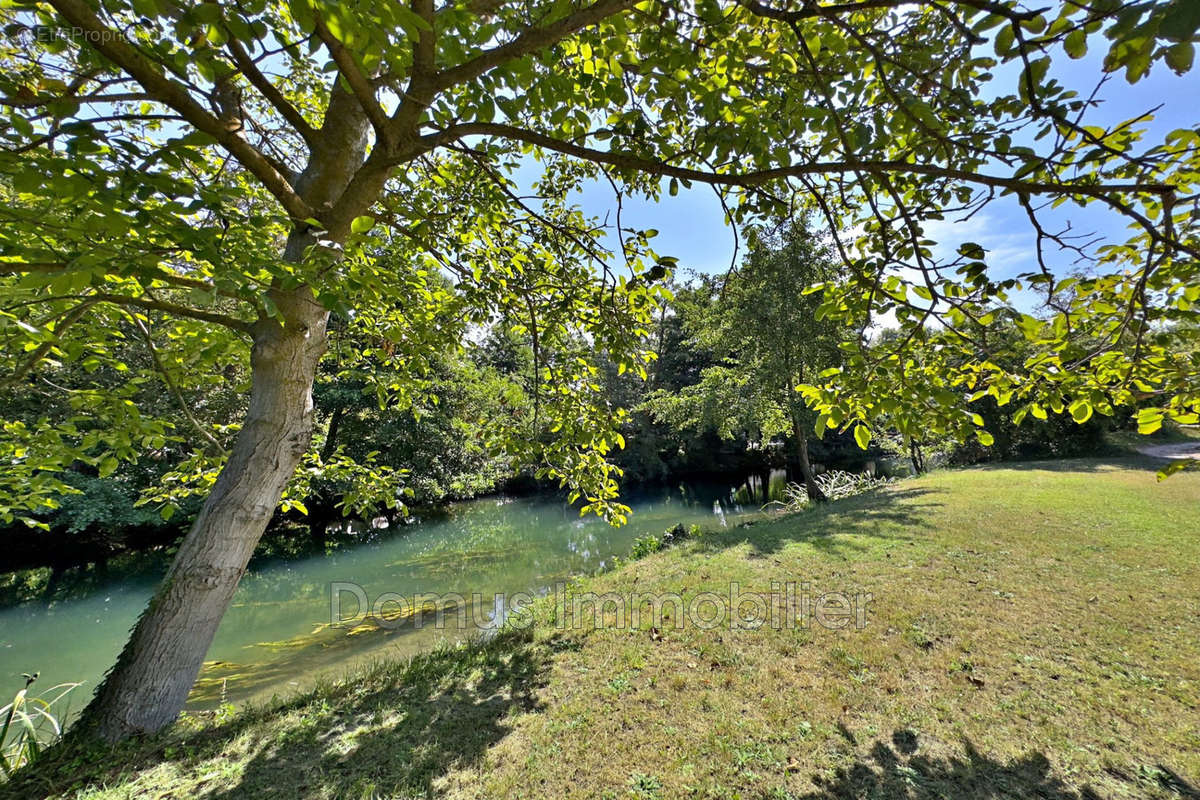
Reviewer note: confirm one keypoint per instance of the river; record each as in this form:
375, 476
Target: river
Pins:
277, 637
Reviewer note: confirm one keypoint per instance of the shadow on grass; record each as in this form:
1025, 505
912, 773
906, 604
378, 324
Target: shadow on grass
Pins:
1119, 459
900, 771
892, 513
390, 733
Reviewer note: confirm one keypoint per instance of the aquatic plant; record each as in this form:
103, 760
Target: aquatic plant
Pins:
31, 724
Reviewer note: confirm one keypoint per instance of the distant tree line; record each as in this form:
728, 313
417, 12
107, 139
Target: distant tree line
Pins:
718, 399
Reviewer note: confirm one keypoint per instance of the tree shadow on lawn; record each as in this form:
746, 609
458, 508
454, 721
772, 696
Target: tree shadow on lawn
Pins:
899, 771
1087, 464
440, 712
391, 732
888, 514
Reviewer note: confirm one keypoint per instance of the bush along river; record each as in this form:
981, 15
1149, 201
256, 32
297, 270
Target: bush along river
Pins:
294, 620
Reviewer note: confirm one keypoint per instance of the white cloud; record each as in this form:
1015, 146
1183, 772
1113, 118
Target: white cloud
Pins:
1011, 244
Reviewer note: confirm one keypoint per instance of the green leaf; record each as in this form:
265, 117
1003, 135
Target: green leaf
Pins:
972, 251
362, 224
1081, 411
862, 435
1076, 44
412, 22
1149, 420
1176, 466
820, 426
1181, 21
1004, 40
1180, 57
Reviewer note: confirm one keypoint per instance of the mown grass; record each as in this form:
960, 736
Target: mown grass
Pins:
1033, 633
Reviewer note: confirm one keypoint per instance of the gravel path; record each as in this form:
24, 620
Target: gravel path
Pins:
1181, 450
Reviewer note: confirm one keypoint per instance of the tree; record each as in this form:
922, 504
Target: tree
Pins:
657, 450
761, 321
226, 172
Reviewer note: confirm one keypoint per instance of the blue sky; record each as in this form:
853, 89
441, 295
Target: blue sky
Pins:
691, 225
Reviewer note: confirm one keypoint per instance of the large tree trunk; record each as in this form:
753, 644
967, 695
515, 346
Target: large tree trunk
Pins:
151, 680
147, 687
810, 482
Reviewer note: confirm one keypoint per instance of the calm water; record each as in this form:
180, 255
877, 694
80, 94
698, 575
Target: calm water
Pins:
277, 636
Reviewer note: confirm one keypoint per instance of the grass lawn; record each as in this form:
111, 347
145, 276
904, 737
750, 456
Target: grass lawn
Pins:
1032, 632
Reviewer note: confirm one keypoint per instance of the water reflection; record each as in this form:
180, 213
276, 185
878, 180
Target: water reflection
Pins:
760, 489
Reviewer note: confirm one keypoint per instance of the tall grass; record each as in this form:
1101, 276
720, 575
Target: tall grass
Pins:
31, 724
836, 485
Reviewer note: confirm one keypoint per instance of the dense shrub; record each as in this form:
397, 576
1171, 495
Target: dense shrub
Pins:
1057, 436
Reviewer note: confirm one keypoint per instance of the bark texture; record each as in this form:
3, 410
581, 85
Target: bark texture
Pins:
158, 667
148, 686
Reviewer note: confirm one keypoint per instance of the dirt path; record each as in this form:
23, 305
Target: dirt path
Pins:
1180, 450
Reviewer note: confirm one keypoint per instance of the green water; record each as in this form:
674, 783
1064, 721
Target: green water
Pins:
277, 636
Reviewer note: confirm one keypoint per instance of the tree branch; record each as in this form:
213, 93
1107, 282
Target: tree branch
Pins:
164, 275
173, 387
271, 93
113, 46
39, 352
233, 323
629, 161
530, 40
363, 91
813, 10
422, 82
118, 97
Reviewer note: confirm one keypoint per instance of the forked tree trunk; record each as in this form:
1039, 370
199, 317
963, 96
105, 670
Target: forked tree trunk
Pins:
147, 687
917, 456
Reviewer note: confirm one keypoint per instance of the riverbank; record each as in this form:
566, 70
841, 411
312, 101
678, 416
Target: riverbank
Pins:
1030, 630
278, 635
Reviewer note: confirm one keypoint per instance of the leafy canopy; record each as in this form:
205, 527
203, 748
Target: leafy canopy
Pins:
173, 171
